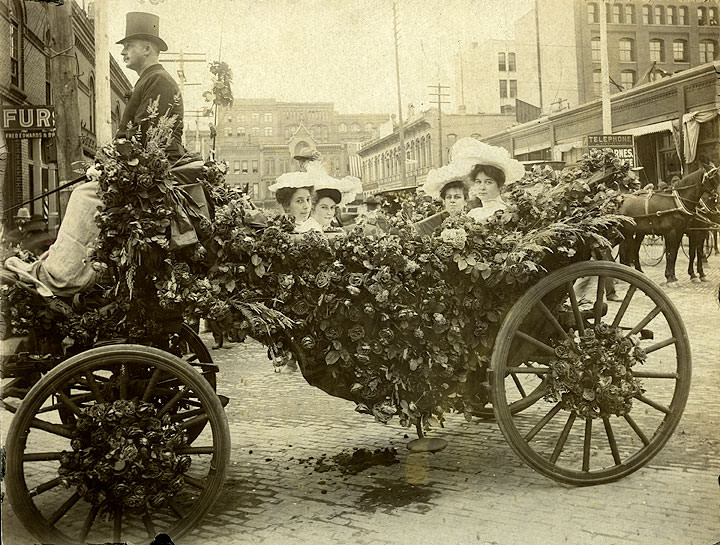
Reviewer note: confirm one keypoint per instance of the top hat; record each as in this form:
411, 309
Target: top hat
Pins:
143, 26
307, 154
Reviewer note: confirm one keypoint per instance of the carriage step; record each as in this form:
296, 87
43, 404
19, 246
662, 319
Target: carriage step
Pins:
224, 400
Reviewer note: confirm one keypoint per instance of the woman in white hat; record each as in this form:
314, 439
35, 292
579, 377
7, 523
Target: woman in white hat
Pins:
294, 192
449, 184
330, 194
490, 168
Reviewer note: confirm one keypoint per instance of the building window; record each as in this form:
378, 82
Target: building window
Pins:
713, 16
646, 15
255, 131
503, 88
592, 13
659, 15
354, 127
627, 53
702, 16
256, 191
671, 15
657, 52
513, 88
707, 51
255, 166
682, 15
629, 14
268, 131
501, 62
680, 51
229, 119
92, 104
342, 127
240, 131
267, 118
236, 167
244, 167
283, 166
256, 117
15, 55
369, 127
595, 49
616, 14
511, 62
627, 79
597, 83
228, 131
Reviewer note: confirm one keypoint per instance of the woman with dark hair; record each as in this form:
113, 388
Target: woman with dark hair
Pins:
330, 194
449, 185
294, 192
454, 196
327, 201
487, 183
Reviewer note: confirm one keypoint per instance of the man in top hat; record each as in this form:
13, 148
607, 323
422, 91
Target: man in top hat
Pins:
306, 155
141, 51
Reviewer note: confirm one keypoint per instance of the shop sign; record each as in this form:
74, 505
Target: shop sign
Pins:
622, 145
28, 121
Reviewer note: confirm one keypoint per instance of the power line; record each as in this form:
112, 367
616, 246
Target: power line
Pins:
438, 94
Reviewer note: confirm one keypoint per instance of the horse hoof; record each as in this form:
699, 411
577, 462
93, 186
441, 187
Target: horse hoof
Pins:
694, 280
703, 279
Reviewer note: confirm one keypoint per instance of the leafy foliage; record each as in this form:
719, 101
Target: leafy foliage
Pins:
220, 93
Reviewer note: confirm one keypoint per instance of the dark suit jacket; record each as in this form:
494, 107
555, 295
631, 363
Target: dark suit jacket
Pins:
154, 84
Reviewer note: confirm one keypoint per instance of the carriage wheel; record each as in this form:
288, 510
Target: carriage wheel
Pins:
123, 469
611, 440
652, 250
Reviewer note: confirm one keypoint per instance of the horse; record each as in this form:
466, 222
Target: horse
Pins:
707, 217
666, 213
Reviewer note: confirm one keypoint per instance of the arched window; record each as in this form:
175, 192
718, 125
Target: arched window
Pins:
240, 131
354, 127
659, 15
627, 79
708, 51
713, 16
629, 14
595, 49
616, 15
369, 127
702, 16
342, 127
683, 15
671, 15
647, 15
428, 150
421, 152
627, 50
680, 51
592, 13
255, 131
657, 50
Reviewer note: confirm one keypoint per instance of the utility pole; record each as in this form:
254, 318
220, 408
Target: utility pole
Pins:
438, 94
537, 48
605, 72
181, 59
401, 126
103, 100
65, 89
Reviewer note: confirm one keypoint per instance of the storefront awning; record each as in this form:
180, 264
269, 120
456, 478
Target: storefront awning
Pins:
649, 129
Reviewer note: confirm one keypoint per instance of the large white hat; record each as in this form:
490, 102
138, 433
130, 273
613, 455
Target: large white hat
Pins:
347, 187
438, 178
291, 180
472, 151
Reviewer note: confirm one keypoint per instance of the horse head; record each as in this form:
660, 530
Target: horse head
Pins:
711, 180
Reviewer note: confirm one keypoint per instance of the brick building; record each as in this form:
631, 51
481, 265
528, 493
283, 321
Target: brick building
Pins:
259, 137
26, 80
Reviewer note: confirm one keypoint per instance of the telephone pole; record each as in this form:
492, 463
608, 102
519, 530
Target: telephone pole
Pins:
181, 59
401, 126
439, 94
605, 72
103, 98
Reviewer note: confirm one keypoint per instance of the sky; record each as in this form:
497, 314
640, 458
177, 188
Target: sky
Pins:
338, 51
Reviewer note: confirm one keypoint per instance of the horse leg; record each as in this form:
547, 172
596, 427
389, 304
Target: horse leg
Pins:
672, 244
636, 250
692, 254
701, 237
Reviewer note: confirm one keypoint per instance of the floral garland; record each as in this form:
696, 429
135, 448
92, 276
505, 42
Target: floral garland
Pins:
592, 375
123, 455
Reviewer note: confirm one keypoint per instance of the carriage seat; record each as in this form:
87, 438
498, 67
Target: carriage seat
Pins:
188, 173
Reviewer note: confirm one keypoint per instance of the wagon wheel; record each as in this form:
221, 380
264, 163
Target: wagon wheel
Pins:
652, 250
60, 481
605, 448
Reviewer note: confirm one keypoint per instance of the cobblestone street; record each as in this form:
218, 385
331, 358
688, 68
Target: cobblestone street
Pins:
474, 492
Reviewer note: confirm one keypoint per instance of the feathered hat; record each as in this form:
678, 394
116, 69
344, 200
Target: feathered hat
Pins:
438, 178
293, 180
473, 152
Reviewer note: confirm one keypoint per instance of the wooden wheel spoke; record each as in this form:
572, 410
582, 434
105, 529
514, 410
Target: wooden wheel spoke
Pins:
175, 508
69, 403
55, 429
518, 385
191, 357
653, 374
655, 405
64, 508
611, 440
645, 321
187, 414
637, 429
117, 525
599, 298
563, 438
42, 456
196, 450
527, 370
87, 525
535, 342
586, 445
149, 525
173, 401
151, 384
552, 319
579, 324
44, 487
195, 482
624, 305
661, 344
194, 421
541, 424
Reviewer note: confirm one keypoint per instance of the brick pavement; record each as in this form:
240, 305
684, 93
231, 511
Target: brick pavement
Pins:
474, 492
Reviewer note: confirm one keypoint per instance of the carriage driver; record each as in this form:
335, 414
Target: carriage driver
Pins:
66, 267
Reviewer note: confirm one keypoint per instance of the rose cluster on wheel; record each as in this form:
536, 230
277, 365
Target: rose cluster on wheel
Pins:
124, 455
592, 375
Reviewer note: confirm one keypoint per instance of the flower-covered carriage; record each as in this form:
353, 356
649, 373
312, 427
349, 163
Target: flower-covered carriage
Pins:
585, 364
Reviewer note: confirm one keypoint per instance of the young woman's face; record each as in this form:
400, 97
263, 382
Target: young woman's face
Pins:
325, 211
300, 205
454, 200
485, 188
